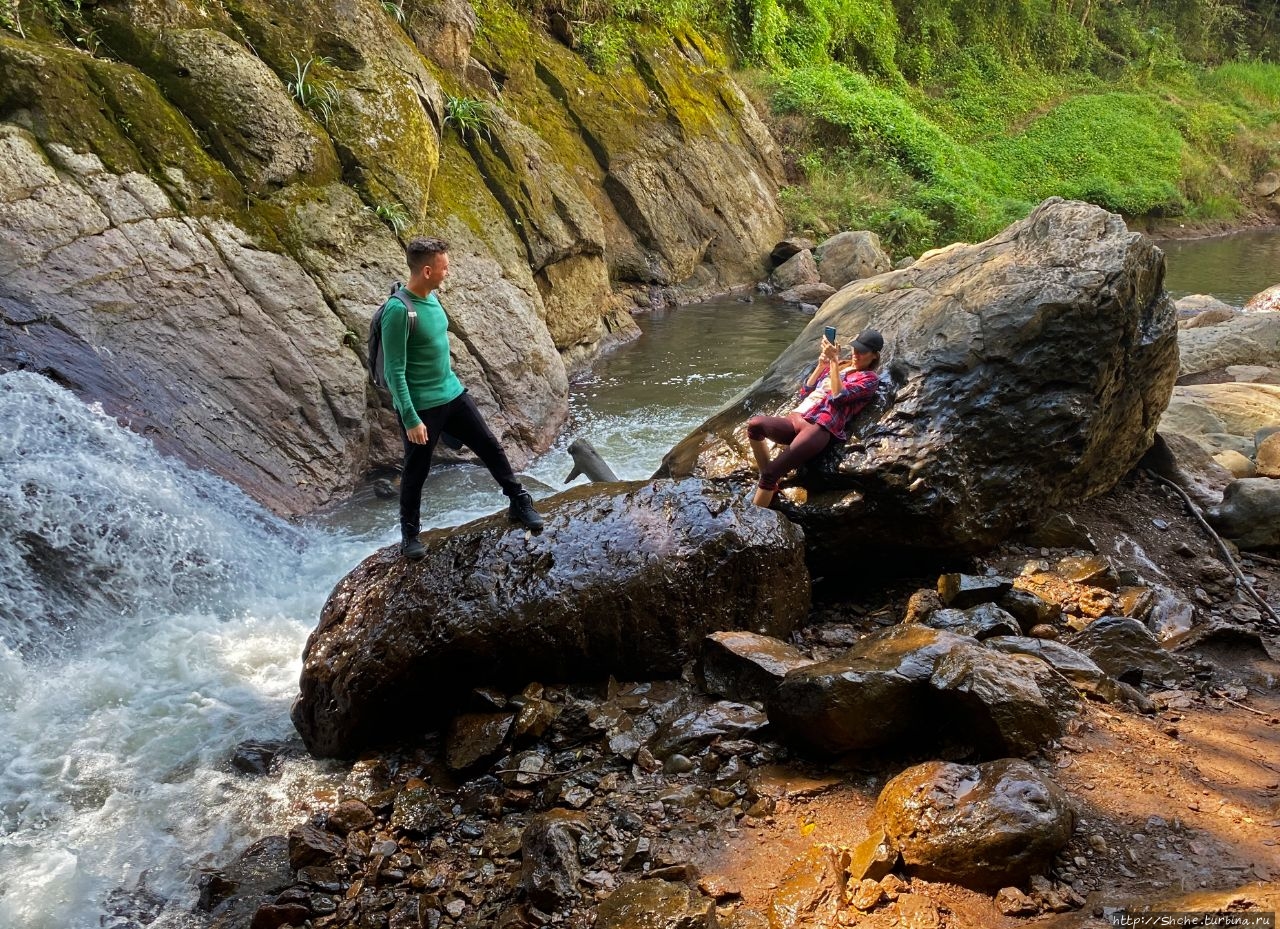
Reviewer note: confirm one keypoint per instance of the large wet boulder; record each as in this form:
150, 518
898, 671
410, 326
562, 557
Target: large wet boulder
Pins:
913, 686
626, 579
1021, 373
987, 826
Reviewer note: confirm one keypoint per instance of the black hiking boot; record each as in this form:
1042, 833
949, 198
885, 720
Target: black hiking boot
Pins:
522, 511
411, 546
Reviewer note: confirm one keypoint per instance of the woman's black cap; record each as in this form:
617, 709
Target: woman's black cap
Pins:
869, 340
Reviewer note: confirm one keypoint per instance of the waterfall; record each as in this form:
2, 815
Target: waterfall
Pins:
151, 617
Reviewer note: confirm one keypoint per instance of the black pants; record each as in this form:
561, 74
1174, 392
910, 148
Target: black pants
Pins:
460, 418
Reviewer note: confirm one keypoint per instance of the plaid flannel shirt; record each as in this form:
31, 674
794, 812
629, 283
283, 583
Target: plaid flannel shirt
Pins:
833, 413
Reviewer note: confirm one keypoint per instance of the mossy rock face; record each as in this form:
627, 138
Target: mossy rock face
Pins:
50, 92
387, 111
237, 103
118, 114
550, 214
244, 110
688, 171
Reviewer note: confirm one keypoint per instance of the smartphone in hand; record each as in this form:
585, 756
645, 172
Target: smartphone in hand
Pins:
830, 333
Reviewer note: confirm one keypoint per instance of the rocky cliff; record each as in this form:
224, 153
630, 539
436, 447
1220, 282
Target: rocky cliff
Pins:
198, 219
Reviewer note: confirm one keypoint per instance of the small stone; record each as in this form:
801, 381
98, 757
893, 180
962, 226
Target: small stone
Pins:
1043, 631
455, 908
719, 886
1098, 844
894, 886
255, 756
273, 916
1013, 902
350, 815
867, 895
677, 764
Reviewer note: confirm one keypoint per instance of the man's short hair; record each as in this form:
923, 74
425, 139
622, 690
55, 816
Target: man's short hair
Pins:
423, 250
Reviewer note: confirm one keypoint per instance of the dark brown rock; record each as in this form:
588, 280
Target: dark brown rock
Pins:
350, 815
961, 591
1075, 666
966, 446
912, 686
1126, 649
1028, 609
1058, 530
626, 579
873, 695
746, 666
693, 731
1009, 706
475, 737
921, 603
981, 622
550, 868
656, 904
233, 894
418, 810
983, 827
275, 915
255, 756
309, 845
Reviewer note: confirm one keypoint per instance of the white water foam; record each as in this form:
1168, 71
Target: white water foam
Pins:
151, 617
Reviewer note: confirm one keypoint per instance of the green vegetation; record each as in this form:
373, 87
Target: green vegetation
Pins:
394, 9
394, 215
472, 118
930, 121
319, 98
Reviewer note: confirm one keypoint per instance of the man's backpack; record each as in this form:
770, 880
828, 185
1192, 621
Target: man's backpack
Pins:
398, 292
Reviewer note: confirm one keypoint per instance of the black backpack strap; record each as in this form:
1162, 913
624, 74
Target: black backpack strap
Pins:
404, 296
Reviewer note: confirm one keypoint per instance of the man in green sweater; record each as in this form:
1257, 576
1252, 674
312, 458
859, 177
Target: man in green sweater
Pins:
429, 397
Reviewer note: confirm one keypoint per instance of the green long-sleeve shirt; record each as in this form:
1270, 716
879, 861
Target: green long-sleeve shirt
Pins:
418, 372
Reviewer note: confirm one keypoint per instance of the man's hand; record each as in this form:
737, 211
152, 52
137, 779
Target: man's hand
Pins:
418, 434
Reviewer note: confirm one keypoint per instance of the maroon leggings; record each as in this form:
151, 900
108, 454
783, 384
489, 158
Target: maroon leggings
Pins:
805, 440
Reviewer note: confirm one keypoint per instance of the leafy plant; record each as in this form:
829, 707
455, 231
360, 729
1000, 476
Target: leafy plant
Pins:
9, 18
394, 215
394, 9
319, 98
471, 117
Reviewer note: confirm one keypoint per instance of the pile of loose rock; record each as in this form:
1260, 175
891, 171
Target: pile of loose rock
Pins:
584, 805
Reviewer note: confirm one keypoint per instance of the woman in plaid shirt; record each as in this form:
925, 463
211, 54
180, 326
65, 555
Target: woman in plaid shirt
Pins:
830, 395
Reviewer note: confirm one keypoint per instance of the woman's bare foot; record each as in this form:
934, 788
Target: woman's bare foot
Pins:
763, 497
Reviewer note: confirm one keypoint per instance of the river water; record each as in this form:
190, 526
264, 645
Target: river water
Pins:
152, 617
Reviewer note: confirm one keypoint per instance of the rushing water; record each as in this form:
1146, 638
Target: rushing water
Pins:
152, 617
